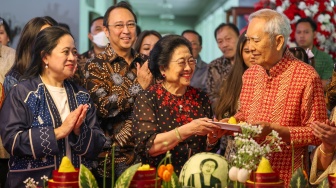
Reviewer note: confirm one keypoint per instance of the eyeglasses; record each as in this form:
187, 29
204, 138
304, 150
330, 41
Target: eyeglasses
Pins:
129, 25
183, 62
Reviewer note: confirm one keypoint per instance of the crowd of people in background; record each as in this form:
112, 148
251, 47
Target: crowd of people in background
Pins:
142, 93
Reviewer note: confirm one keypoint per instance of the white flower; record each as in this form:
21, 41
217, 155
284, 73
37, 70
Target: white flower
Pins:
296, 18
279, 9
314, 9
329, 8
323, 27
302, 5
320, 18
321, 38
233, 173
307, 12
243, 175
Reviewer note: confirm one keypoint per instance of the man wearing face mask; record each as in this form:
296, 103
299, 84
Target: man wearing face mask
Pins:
99, 42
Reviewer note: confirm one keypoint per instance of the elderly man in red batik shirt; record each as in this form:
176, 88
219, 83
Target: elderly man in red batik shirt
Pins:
280, 93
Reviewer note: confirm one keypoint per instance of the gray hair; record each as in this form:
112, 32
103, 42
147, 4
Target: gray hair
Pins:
276, 23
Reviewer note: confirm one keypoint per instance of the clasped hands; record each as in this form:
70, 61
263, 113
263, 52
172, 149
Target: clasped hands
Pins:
73, 122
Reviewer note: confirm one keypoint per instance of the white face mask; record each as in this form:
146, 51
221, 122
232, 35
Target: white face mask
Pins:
100, 39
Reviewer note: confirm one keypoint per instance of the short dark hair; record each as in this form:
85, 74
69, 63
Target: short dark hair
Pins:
194, 32
45, 42
309, 20
162, 51
142, 35
230, 25
121, 4
7, 29
209, 159
92, 21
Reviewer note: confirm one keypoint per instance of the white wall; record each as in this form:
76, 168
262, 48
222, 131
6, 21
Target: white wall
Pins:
176, 26
20, 12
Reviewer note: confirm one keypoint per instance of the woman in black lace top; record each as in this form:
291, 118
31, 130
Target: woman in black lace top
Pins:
172, 115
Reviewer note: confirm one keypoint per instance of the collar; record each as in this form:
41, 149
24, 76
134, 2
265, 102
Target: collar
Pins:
287, 59
137, 57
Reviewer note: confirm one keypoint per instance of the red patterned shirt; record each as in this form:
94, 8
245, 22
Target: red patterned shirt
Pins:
291, 95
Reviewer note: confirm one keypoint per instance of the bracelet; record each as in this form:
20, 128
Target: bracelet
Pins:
210, 145
324, 153
177, 133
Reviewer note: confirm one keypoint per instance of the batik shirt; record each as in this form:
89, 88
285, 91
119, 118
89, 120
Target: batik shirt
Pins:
29, 121
113, 86
82, 59
290, 95
218, 70
157, 111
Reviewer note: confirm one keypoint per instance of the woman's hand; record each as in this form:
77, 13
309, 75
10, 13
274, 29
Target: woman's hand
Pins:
70, 122
202, 126
325, 131
80, 119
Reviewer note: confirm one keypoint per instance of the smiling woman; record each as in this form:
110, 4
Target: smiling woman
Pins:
172, 115
47, 116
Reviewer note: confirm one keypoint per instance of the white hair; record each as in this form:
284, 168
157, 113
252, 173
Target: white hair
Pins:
276, 23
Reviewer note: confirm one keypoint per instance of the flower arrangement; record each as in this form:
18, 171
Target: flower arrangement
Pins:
31, 183
321, 11
250, 152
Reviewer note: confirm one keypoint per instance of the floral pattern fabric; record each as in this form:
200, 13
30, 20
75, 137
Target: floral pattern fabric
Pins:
290, 95
157, 111
113, 87
82, 59
218, 70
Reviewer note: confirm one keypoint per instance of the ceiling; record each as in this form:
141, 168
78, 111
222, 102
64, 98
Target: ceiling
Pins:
167, 8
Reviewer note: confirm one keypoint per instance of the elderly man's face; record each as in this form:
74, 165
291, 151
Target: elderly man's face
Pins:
227, 41
265, 52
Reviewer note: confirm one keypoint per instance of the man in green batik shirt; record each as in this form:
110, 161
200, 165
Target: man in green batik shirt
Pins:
304, 37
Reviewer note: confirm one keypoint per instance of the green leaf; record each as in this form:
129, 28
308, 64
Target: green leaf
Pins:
175, 181
299, 180
86, 178
126, 177
324, 183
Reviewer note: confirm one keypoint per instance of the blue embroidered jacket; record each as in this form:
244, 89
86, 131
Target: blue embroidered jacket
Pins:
27, 122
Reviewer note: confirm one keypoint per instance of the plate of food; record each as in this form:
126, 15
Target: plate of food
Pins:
227, 126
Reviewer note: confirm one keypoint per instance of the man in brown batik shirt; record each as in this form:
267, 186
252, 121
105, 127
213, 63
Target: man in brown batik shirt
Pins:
114, 79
